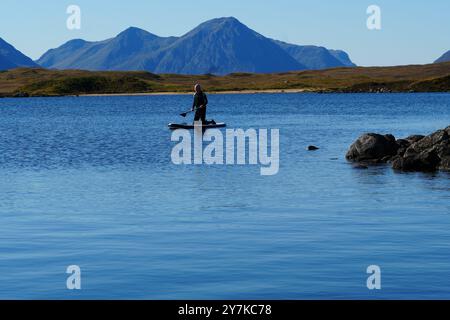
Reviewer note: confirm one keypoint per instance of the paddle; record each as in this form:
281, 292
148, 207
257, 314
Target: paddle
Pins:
186, 113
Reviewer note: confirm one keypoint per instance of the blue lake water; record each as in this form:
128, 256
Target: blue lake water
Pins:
89, 181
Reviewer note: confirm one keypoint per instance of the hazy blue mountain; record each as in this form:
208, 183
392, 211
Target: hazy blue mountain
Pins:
11, 58
343, 57
5, 64
218, 46
444, 58
222, 46
314, 57
133, 49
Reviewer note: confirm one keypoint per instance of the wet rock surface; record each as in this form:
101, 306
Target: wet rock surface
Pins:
414, 153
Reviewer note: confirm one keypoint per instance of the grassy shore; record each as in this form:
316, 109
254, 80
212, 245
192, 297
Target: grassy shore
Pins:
41, 82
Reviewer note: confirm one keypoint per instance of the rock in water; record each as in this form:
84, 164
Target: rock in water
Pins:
445, 164
414, 138
373, 147
312, 148
425, 154
427, 161
414, 153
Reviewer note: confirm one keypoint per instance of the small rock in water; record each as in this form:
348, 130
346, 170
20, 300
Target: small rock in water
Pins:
312, 148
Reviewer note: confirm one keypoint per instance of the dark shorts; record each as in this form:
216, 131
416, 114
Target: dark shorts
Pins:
200, 115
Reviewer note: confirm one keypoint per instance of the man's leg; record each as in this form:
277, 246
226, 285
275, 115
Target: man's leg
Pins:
197, 116
203, 115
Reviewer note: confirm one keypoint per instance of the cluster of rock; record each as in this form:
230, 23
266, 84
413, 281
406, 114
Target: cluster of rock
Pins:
414, 153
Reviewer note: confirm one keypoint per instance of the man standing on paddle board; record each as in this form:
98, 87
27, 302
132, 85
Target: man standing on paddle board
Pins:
200, 104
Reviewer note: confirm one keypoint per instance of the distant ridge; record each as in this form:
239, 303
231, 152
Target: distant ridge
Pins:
11, 58
343, 57
219, 46
317, 58
444, 58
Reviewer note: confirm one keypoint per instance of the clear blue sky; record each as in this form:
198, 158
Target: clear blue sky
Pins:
414, 31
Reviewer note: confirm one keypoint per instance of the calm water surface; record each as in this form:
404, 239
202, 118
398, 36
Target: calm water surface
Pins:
89, 181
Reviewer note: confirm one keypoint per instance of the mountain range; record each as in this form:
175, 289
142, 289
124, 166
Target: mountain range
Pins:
11, 58
219, 46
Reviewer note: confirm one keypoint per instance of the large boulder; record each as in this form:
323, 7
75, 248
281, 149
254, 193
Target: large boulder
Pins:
445, 164
414, 138
427, 143
372, 147
425, 154
427, 160
414, 153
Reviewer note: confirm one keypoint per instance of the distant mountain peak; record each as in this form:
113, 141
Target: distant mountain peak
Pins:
135, 30
135, 33
216, 24
75, 44
229, 20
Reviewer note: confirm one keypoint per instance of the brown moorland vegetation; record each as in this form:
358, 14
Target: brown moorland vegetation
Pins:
43, 82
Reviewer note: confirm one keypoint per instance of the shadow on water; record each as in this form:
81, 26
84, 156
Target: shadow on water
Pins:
370, 174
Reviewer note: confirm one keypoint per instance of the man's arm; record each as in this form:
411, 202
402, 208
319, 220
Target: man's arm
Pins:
194, 103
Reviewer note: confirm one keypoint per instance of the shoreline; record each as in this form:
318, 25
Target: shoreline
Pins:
231, 92
170, 93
